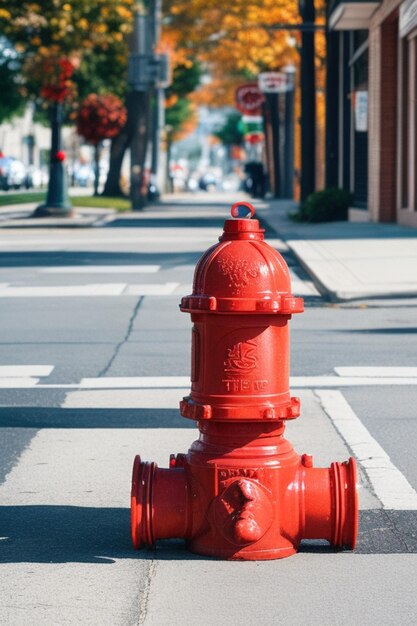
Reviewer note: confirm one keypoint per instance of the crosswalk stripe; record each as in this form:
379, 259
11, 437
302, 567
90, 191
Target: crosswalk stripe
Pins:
135, 382
101, 269
124, 399
61, 291
390, 485
106, 289
17, 371
165, 382
150, 290
18, 383
383, 372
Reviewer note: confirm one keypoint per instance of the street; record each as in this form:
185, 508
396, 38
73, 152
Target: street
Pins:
94, 359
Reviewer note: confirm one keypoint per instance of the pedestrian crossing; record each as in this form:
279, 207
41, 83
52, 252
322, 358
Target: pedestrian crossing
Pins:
300, 287
100, 269
17, 376
89, 290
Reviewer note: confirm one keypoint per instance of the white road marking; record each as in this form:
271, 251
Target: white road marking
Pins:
136, 382
125, 399
18, 383
101, 269
110, 289
165, 289
57, 243
17, 371
106, 289
166, 382
296, 382
390, 486
383, 372
352, 381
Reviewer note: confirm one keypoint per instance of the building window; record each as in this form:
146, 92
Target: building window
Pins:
359, 118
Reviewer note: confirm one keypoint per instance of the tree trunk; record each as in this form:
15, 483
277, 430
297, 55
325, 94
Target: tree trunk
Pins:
137, 110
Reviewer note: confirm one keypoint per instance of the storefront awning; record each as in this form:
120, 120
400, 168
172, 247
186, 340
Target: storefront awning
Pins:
351, 14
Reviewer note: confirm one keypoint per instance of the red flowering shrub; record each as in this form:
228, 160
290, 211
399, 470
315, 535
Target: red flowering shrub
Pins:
100, 117
56, 81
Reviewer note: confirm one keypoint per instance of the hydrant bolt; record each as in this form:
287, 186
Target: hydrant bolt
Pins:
241, 491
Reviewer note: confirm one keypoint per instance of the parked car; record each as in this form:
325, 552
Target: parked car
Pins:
12, 174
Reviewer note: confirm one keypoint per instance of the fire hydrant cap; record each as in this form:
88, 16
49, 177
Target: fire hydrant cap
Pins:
242, 273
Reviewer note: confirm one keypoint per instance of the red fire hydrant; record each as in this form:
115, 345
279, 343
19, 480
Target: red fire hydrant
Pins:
241, 491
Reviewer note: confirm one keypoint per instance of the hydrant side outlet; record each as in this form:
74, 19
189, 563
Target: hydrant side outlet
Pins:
241, 491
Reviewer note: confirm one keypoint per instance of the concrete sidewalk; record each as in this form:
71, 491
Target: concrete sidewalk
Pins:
350, 261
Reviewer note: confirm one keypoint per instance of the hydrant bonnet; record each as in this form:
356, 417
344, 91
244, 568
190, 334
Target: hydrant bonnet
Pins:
242, 274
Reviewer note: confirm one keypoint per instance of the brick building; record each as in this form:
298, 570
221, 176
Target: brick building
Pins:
373, 113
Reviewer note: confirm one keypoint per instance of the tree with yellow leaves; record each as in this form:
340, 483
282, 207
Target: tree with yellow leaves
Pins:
238, 40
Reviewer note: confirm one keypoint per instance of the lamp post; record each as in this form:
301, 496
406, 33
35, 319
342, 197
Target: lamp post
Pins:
57, 200
55, 75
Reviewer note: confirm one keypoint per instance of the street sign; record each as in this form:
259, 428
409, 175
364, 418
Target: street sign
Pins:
147, 69
273, 82
249, 99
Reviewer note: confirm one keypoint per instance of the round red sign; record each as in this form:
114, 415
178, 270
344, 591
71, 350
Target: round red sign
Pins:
249, 99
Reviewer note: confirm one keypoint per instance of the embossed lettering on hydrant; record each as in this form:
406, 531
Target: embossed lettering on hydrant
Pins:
239, 271
239, 384
241, 358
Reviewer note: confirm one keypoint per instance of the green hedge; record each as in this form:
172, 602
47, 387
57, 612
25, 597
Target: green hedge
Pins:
328, 205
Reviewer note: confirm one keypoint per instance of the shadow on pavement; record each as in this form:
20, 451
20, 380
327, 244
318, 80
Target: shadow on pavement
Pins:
55, 417
64, 534
383, 331
64, 258
168, 222
73, 534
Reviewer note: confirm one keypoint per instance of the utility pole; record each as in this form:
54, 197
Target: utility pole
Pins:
147, 72
308, 100
158, 108
288, 190
332, 108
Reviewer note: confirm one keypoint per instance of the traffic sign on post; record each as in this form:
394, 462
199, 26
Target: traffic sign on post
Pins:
249, 99
273, 82
145, 70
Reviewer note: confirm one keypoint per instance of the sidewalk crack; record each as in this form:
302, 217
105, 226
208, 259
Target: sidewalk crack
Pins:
146, 594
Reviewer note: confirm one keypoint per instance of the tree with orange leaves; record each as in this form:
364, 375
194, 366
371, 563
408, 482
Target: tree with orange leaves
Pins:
240, 39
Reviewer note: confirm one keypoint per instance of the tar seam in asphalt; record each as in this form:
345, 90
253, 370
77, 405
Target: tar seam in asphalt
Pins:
125, 338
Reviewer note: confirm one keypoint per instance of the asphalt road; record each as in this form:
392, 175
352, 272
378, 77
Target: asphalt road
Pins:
81, 313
